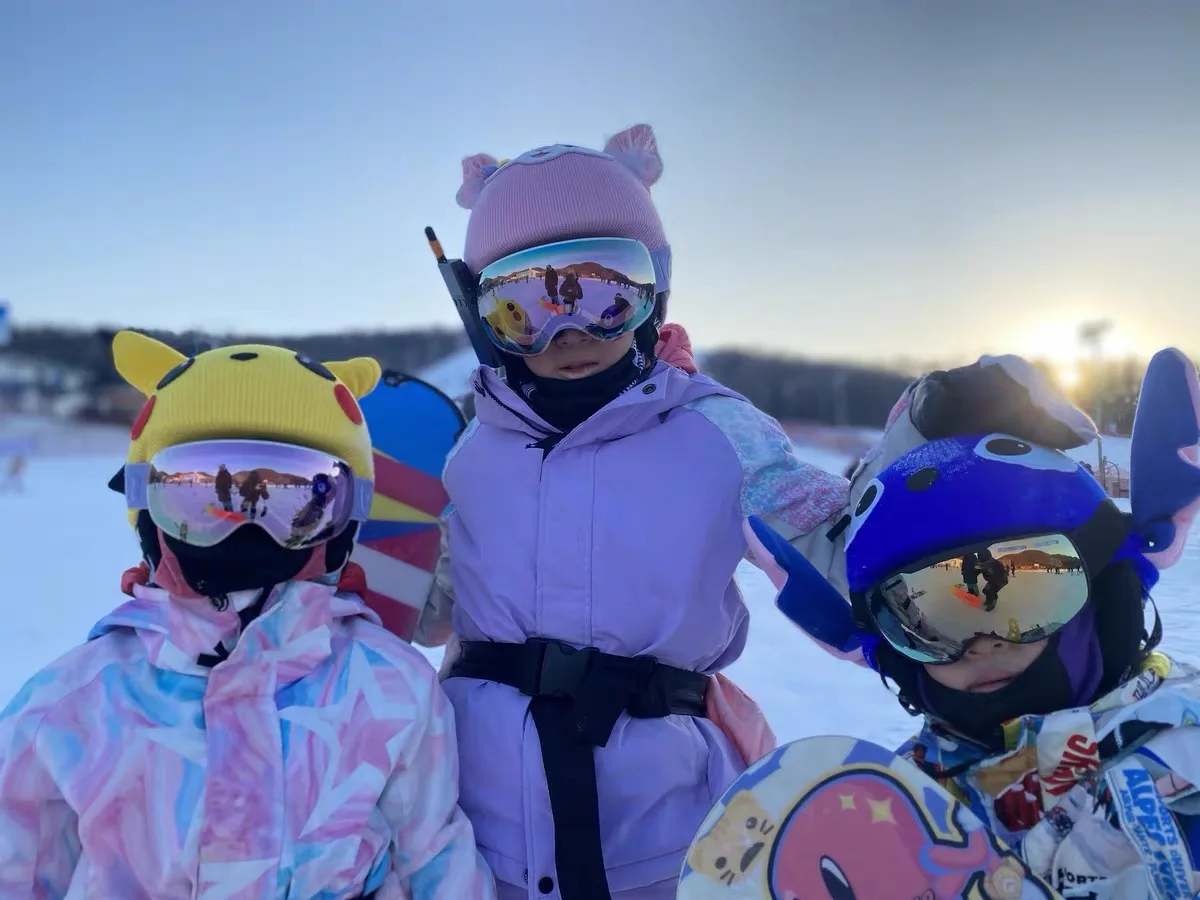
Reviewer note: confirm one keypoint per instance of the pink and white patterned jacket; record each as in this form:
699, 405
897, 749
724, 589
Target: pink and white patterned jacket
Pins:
318, 761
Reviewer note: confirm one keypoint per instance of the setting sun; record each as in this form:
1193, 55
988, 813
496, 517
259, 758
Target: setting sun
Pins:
1067, 375
1059, 343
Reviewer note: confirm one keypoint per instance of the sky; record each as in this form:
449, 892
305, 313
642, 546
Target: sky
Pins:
867, 180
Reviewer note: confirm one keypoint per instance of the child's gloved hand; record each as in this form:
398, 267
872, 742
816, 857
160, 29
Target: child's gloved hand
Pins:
996, 395
1004, 394
805, 596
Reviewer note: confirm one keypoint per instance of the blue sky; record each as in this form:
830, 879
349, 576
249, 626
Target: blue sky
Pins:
855, 179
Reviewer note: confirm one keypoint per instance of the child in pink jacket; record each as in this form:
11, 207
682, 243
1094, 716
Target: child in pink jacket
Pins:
239, 729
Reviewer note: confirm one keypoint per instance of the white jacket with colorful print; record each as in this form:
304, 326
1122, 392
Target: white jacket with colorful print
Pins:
316, 762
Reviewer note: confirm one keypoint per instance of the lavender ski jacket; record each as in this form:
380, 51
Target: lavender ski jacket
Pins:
625, 536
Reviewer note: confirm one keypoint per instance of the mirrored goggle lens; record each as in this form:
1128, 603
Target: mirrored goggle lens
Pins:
202, 492
1020, 590
602, 286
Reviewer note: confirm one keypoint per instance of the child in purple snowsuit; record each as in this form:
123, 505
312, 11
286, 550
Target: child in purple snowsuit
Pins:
590, 546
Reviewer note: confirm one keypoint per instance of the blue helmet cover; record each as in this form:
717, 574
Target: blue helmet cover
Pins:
960, 491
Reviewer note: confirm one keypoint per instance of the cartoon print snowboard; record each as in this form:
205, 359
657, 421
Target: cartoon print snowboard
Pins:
836, 818
413, 428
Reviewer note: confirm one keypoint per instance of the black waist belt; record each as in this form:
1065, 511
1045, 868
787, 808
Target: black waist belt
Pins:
578, 695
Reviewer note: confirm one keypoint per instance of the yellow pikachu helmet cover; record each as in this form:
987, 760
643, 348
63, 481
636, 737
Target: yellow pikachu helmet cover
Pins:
247, 391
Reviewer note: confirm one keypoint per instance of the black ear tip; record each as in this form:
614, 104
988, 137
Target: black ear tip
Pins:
117, 482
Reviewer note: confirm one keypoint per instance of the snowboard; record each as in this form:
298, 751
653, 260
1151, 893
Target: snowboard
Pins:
845, 819
960, 591
413, 428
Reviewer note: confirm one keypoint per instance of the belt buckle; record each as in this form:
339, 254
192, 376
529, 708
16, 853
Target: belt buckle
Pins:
563, 669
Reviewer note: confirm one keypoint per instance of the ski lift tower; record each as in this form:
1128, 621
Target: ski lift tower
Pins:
1091, 335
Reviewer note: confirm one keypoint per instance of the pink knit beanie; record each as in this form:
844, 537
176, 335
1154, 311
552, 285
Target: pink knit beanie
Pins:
562, 192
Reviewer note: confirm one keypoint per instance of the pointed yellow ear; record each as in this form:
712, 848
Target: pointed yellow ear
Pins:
142, 361
360, 374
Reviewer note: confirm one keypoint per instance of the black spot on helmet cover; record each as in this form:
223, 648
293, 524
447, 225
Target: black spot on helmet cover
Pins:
922, 479
1008, 447
864, 502
244, 356
175, 373
315, 367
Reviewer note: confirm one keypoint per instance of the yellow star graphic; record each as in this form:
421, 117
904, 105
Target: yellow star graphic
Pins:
881, 811
847, 801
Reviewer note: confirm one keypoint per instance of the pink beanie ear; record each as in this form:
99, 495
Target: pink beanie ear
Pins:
560, 192
475, 172
637, 149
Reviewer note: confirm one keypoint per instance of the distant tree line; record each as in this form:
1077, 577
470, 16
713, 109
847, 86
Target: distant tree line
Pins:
792, 389
788, 388
91, 350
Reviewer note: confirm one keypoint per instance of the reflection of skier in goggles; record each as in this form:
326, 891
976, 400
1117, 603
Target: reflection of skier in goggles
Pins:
223, 485
253, 490
996, 576
970, 574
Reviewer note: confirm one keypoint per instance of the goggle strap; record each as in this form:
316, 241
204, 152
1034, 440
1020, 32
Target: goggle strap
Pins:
364, 493
661, 258
137, 485
1156, 631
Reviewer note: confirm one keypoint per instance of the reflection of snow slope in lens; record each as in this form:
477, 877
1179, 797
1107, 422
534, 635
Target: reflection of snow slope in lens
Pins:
1032, 597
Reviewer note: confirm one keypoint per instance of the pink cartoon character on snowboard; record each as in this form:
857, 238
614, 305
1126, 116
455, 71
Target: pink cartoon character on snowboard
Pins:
860, 833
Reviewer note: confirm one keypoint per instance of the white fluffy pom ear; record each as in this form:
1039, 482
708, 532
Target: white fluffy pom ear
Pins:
476, 170
637, 150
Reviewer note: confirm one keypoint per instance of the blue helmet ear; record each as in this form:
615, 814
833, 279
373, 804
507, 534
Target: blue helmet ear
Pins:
1164, 474
805, 596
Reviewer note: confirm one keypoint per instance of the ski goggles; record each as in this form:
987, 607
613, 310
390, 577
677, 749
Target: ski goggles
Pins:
200, 493
604, 287
1021, 590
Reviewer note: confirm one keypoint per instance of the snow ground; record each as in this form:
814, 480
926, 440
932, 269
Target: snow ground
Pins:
65, 546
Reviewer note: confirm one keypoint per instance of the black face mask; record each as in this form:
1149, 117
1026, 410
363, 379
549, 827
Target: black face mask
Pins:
568, 404
248, 559
1043, 688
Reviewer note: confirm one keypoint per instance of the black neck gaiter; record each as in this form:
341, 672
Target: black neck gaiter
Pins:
1043, 688
566, 404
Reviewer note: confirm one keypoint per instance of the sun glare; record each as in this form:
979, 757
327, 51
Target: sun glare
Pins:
1055, 343
1059, 345
1067, 375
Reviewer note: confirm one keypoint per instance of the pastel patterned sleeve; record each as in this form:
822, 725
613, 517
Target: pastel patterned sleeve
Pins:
434, 851
797, 499
39, 833
435, 627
